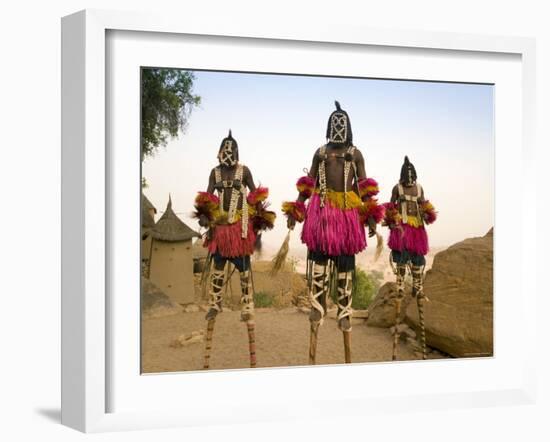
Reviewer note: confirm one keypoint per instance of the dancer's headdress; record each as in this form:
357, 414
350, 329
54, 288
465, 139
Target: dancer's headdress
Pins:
339, 127
228, 155
408, 173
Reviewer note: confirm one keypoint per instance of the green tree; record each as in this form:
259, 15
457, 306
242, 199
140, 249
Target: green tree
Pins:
167, 100
366, 288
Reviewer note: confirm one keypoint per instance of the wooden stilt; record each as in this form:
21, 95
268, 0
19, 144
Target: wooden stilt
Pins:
396, 334
347, 346
314, 329
420, 305
250, 325
208, 347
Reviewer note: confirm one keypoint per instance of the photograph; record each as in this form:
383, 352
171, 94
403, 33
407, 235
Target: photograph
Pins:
301, 220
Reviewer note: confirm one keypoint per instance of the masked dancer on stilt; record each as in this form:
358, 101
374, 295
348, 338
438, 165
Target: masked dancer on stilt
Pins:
234, 210
405, 215
341, 203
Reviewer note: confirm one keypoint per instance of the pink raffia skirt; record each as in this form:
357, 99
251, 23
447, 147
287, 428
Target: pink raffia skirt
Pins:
412, 239
331, 230
227, 241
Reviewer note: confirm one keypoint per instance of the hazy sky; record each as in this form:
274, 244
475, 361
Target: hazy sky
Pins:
446, 129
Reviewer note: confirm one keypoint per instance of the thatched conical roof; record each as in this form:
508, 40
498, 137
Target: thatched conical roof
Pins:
170, 228
147, 221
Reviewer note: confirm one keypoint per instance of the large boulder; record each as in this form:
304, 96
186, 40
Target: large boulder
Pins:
155, 303
382, 308
459, 313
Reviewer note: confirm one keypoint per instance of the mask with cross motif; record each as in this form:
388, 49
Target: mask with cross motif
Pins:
339, 127
227, 155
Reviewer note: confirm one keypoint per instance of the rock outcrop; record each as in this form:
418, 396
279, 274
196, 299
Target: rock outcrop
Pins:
155, 303
382, 308
459, 313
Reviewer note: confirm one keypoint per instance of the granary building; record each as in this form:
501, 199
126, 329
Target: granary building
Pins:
170, 256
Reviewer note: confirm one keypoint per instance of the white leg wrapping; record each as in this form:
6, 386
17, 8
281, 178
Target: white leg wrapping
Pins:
247, 296
216, 284
319, 287
400, 271
344, 300
417, 273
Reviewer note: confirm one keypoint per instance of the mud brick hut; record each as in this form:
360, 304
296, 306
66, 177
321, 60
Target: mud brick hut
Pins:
148, 213
170, 265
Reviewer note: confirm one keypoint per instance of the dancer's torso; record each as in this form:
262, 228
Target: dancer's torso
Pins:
226, 176
409, 198
335, 159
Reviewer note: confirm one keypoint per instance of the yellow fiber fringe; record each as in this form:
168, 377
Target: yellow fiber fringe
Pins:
413, 221
337, 199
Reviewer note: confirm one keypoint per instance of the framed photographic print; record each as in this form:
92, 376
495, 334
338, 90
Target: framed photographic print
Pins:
250, 213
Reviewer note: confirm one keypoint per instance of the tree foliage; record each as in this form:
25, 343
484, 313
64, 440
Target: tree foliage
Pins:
167, 100
367, 286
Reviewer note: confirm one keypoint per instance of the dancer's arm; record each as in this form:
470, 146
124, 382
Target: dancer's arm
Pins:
248, 180
360, 165
362, 174
394, 194
203, 219
291, 221
211, 182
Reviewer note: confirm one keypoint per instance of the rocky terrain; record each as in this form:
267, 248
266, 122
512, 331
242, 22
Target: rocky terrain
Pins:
459, 314
459, 310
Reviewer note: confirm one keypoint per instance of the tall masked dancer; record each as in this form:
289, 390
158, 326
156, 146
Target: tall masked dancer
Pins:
406, 215
234, 211
341, 203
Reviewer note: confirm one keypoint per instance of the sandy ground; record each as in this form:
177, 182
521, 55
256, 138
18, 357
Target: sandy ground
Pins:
282, 339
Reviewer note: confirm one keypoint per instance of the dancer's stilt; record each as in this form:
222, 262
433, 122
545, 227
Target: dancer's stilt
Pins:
247, 313
400, 271
250, 325
418, 291
347, 346
215, 306
396, 334
344, 301
314, 330
208, 347
420, 305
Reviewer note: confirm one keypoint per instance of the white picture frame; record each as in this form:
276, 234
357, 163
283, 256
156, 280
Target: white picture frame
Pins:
87, 212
